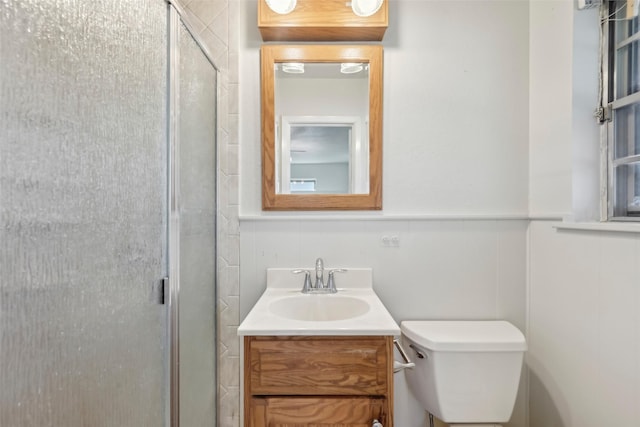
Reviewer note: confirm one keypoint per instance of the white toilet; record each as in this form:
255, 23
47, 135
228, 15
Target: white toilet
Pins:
467, 372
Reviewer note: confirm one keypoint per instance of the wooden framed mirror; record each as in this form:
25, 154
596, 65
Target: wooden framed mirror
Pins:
321, 127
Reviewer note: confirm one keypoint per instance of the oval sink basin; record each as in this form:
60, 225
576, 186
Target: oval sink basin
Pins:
319, 307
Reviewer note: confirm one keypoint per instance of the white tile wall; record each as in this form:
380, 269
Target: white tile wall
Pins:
584, 328
441, 269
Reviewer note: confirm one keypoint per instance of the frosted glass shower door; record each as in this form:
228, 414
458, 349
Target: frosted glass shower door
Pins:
83, 213
193, 231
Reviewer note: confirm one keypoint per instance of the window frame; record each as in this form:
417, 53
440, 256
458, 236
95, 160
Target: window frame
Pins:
611, 104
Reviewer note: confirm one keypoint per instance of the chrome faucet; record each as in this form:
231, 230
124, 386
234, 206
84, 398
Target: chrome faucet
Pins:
319, 274
319, 287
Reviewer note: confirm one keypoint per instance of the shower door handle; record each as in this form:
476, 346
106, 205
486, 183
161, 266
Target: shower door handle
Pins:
164, 290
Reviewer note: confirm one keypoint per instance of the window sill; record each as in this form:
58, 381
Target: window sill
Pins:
613, 227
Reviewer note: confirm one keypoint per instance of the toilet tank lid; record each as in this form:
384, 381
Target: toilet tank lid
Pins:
464, 335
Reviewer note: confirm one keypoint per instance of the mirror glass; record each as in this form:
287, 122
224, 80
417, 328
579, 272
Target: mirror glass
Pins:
321, 127
321, 122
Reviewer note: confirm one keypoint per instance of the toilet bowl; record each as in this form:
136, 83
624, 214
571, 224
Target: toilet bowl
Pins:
467, 372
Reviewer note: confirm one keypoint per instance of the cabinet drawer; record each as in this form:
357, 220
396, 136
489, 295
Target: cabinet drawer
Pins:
318, 412
317, 365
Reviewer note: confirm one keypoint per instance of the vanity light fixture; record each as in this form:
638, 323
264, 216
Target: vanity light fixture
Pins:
362, 8
351, 67
293, 67
282, 7
366, 7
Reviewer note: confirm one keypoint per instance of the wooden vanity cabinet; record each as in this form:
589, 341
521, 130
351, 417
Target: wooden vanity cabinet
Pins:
321, 381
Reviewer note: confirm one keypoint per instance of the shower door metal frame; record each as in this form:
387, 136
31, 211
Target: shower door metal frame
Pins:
176, 14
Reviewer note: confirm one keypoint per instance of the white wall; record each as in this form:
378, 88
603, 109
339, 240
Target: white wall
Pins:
584, 328
456, 110
456, 107
585, 138
455, 128
550, 94
564, 149
584, 291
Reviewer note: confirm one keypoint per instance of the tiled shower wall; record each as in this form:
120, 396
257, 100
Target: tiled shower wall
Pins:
215, 25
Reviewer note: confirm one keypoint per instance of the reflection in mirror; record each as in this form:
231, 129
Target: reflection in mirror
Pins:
319, 156
324, 141
321, 127
328, 150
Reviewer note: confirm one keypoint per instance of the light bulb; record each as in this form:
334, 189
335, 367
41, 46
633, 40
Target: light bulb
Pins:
365, 7
282, 7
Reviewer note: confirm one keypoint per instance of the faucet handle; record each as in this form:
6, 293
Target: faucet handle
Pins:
307, 280
331, 282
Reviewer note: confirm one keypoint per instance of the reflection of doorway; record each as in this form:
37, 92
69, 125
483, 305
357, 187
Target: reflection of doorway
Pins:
325, 150
319, 154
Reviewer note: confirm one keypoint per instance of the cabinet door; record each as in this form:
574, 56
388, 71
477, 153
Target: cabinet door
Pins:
317, 412
315, 366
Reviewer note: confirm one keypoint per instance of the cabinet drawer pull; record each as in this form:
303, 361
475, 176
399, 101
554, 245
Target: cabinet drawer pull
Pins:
376, 423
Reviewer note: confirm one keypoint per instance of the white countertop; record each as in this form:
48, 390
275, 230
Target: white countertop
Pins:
281, 284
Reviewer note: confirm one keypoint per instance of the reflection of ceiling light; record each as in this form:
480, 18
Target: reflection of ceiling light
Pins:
281, 6
293, 67
365, 7
351, 67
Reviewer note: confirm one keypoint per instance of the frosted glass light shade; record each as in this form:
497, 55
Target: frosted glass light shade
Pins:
366, 7
351, 67
282, 6
293, 67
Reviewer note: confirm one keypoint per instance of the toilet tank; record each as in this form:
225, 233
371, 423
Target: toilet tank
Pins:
466, 371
